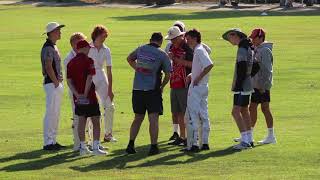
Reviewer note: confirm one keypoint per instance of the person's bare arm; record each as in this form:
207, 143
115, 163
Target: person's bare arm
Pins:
132, 60
88, 85
109, 76
72, 88
165, 80
50, 72
202, 74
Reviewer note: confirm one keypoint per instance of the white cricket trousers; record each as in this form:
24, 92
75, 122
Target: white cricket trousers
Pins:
52, 114
197, 117
101, 83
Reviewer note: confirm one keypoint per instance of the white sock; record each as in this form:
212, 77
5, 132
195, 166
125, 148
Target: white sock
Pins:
250, 135
244, 137
175, 128
95, 144
82, 144
270, 132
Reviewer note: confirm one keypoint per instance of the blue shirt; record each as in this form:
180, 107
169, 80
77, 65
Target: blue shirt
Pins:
151, 61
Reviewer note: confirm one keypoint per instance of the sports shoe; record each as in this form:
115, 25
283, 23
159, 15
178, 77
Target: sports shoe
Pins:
153, 150
130, 150
178, 142
205, 147
59, 146
99, 152
268, 140
84, 151
50, 147
174, 136
193, 149
109, 138
237, 139
100, 147
242, 145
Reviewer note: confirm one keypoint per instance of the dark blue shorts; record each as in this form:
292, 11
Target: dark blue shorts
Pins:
241, 100
258, 97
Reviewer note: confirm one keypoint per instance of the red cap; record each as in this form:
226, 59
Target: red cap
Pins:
82, 44
258, 32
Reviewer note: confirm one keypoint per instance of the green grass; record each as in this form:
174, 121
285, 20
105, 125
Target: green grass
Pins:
295, 97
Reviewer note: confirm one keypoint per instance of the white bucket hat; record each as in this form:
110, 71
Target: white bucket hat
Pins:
51, 26
173, 33
181, 24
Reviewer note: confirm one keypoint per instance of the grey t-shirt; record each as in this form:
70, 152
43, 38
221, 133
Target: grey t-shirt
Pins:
151, 60
50, 51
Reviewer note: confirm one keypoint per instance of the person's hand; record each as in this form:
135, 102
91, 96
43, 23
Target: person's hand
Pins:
188, 80
196, 81
170, 54
56, 84
111, 95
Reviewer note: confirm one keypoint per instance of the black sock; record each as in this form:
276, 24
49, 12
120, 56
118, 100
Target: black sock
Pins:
131, 143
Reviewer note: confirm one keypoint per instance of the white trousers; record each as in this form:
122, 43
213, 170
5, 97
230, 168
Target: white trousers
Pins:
52, 114
197, 117
101, 83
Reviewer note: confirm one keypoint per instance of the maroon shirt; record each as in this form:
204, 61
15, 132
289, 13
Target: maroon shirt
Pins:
78, 69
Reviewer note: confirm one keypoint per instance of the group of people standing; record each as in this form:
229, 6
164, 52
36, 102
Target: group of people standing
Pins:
185, 64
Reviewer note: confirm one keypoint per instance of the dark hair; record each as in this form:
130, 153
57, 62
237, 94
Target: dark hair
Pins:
157, 37
195, 34
179, 26
97, 31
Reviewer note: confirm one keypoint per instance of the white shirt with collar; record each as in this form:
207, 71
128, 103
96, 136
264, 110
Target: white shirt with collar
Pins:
201, 60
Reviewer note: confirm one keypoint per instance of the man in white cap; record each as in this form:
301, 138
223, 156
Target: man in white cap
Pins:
181, 56
51, 71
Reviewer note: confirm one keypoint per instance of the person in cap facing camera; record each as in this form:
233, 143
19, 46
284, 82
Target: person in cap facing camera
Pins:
148, 62
53, 87
181, 56
262, 83
242, 86
79, 74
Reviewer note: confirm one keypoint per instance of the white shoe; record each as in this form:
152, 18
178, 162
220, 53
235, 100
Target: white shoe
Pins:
109, 138
99, 152
268, 140
76, 147
237, 139
242, 145
84, 151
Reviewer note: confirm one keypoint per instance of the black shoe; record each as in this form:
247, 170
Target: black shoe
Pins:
59, 146
174, 136
131, 150
153, 150
178, 142
193, 149
205, 147
252, 144
50, 147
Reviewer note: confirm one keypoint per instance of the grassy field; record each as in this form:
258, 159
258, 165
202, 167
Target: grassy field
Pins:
295, 98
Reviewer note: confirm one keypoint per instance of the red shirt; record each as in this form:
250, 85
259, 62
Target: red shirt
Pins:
179, 72
78, 69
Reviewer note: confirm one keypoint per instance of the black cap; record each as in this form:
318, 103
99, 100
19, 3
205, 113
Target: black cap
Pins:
157, 36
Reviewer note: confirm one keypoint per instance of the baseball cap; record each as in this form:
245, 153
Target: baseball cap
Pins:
51, 26
173, 33
180, 25
83, 44
258, 32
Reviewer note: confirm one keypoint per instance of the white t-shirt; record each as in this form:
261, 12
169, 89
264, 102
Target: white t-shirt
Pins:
100, 57
70, 56
201, 60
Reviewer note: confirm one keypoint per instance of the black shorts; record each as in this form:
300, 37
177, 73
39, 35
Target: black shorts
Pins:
88, 110
241, 100
150, 101
258, 97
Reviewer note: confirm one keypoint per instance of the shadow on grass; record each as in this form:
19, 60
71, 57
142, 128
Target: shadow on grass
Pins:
60, 158
213, 15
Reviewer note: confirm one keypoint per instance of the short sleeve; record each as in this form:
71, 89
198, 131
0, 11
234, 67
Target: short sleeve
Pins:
166, 63
48, 53
167, 49
91, 69
204, 58
67, 60
108, 57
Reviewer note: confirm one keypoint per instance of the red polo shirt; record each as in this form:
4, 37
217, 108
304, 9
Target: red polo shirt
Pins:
78, 69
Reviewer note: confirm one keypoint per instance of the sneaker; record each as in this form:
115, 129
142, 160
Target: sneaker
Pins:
268, 140
130, 150
59, 146
174, 136
242, 145
178, 142
100, 147
193, 149
50, 147
153, 150
205, 147
76, 147
109, 138
99, 152
84, 151
237, 139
